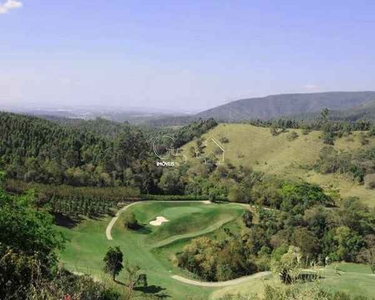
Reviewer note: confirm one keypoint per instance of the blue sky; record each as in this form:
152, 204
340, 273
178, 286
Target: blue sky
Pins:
181, 55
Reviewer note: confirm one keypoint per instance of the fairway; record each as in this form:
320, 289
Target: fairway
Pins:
150, 246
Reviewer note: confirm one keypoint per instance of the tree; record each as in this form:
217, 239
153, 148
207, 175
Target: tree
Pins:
113, 262
367, 254
348, 243
170, 182
29, 243
306, 241
135, 276
248, 218
288, 265
325, 114
130, 221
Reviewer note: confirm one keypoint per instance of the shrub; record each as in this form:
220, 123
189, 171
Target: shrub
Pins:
224, 140
292, 136
130, 221
370, 181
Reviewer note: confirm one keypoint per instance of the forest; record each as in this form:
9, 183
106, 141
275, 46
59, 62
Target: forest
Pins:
76, 169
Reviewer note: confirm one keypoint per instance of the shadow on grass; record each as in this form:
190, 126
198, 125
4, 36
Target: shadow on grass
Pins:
143, 229
65, 221
308, 277
154, 290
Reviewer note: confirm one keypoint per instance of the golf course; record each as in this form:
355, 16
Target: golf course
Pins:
152, 247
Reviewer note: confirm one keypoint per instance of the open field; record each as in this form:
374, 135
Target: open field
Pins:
257, 148
152, 247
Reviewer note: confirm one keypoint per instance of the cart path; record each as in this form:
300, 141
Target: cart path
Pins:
114, 220
222, 283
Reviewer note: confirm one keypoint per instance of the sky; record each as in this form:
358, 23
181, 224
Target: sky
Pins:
180, 55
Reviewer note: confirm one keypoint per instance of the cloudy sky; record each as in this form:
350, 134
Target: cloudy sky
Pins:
180, 55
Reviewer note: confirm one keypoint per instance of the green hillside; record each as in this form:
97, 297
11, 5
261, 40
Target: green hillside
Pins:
365, 111
256, 147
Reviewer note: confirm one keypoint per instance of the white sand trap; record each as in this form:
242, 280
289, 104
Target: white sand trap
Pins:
207, 202
159, 221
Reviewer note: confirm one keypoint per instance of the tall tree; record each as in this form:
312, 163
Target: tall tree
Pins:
113, 262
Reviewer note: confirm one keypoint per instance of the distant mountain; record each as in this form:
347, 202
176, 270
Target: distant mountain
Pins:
365, 111
285, 105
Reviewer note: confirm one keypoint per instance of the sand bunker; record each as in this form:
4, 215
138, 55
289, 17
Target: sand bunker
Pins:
159, 221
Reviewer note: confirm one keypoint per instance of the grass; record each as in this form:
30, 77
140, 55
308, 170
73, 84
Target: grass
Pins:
355, 279
256, 147
88, 243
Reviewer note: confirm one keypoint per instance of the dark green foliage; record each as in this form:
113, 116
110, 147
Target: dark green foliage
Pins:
356, 163
113, 260
130, 221
28, 231
37, 150
171, 182
97, 153
193, 130
74, 202
247, 218
28, 261
66, 284
216, 261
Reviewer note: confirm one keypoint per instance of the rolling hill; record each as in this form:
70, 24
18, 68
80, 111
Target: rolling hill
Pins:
255, 147
285, 105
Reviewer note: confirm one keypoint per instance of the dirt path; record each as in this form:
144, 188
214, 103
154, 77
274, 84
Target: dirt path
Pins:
221, 283
114, 220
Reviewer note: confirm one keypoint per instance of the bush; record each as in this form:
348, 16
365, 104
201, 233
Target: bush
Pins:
292, 136
224, 140
306, 131
130, 221
370, 181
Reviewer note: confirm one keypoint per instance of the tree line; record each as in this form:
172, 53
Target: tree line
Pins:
299, 216
84, 153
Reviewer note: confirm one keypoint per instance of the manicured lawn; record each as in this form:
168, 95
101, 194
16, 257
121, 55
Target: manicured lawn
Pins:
88, 242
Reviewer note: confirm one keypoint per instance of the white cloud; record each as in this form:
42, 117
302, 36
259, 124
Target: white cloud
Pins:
9, 5
312, 87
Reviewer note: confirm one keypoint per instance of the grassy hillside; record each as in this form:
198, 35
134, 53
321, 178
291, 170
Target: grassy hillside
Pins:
287, 104
256, 147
